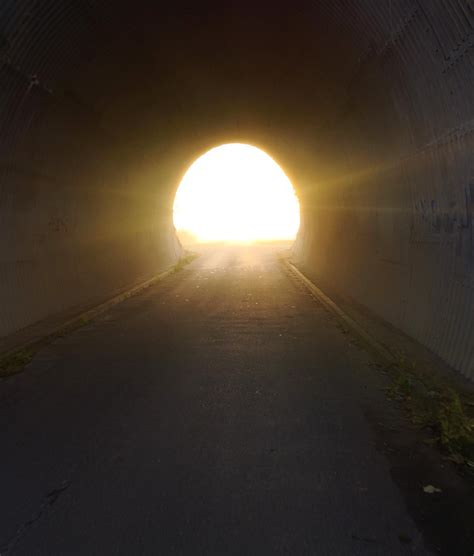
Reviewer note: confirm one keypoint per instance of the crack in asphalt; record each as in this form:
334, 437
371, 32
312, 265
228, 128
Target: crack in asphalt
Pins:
49, 500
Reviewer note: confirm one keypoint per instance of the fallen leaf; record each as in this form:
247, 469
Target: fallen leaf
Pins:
456, 458
430, 489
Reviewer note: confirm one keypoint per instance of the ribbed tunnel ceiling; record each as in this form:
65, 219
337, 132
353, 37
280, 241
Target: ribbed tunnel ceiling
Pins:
368, 106
152, 72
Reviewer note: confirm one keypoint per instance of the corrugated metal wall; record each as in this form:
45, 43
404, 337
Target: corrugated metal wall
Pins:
392, 226
71, 231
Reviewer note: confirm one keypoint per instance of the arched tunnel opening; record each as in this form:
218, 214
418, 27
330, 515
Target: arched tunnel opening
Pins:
366, 107
235, 193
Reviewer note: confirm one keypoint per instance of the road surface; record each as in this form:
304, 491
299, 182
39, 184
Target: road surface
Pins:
221, 411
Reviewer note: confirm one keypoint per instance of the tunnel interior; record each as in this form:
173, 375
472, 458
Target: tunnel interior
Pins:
367, 106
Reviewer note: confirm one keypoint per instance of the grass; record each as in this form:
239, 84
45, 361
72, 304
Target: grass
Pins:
435, 406
16, 361
183, 261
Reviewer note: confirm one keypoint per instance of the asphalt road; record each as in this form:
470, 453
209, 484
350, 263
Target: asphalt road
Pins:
219, 412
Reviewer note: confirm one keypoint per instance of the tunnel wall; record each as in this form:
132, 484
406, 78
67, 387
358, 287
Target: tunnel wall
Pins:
76, 225
389, 223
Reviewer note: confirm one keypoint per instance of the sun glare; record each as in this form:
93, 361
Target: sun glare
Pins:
236, 193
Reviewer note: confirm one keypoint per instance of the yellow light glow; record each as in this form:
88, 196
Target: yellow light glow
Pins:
236, 193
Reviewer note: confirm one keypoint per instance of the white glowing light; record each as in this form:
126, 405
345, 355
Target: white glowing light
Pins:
236, 193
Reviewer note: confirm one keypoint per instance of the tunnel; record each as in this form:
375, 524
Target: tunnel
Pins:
367, 106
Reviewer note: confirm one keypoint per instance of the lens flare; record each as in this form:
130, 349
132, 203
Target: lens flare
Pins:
236, 193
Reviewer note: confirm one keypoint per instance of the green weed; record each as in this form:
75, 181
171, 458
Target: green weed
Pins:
434, 405
183, 261
15, 362
454, 427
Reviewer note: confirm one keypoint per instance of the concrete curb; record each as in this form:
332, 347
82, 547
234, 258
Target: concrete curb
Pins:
360, 332
9, 364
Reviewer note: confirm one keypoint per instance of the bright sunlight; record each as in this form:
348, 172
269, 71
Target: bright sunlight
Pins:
236, 193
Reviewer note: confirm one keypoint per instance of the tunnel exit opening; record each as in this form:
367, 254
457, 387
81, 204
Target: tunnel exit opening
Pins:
235, 193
